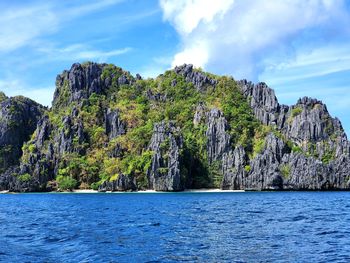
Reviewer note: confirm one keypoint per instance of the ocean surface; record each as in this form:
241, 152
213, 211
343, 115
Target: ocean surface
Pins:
171, 227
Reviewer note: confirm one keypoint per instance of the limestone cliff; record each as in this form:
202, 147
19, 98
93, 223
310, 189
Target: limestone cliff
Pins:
110, 131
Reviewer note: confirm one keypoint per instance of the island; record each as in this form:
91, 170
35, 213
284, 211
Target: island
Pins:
108, 130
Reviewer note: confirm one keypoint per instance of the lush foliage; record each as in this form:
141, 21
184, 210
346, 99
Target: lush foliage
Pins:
140, 104
24, 177
2, 96
285, 170
296, 111
66, 183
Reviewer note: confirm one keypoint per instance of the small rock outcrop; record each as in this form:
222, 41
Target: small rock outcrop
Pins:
13, 181
123, 183
114, 125
264, 103
83, 80
199, 79
164, 173
78, 83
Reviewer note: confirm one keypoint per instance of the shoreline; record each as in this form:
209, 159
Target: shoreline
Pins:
202, 190
90, 191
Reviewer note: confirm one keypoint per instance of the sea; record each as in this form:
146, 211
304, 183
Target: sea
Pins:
175, 227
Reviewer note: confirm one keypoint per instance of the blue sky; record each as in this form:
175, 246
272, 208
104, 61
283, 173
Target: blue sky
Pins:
298, 47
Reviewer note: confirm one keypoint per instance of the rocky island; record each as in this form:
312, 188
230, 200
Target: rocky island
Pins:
110, 131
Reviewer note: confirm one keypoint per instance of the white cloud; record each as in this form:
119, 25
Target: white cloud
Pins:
234, 37
196, 54
15, 87
20, 26
307, 64
187, 14
83, 9
80, 52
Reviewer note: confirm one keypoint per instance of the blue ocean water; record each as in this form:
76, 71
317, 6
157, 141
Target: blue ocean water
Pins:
194, 227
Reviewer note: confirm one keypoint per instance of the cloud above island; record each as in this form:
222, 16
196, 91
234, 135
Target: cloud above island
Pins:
298, 47
236, 36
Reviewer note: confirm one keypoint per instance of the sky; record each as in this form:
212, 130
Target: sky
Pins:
298, 47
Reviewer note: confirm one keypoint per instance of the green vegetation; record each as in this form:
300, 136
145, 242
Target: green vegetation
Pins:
66, 183
259, 139
63, 97
297, 149
328, 156
5, 157
92, 161
296, 111
285, 170
25, 177
2, 96
215, 174
170, 98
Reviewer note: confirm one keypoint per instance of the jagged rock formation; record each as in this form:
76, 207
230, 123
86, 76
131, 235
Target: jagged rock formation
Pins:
111, 131
123, 183
18, 118
218, 140
199, 80
114, 126
164, 172
81, 81
263, 102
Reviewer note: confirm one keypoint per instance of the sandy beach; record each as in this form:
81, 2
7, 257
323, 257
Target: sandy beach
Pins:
90, 191
185, 191
214, 190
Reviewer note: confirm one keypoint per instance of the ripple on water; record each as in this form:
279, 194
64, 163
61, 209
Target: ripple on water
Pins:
230, 227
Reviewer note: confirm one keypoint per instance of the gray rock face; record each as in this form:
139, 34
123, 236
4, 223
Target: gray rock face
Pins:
10, 180
199, 80
218, 139
155, 97
307, 124
305, 173
52, 143
78, 83
233, 169
265, 172
40, 162
263, 102
200, 114
164, 173
123, 183
81, 81
308, 173
72, 131
114, 125
260, 173
309, 121
18, 119
277, 169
